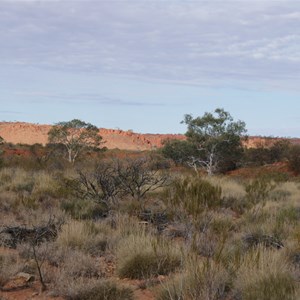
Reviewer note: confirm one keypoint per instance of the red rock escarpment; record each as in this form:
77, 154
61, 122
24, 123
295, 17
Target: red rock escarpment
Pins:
27, 133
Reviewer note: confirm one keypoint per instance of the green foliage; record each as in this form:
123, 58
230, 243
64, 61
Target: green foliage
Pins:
193, 195
279, 150
217, 138
262, 155
75, 135
179, 151
294, 158
257, 157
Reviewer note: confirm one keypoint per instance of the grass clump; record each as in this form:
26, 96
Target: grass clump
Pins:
82, 236
145, 256
194, 195
264, 274
272, 286
259, 190
202, 279
101, 289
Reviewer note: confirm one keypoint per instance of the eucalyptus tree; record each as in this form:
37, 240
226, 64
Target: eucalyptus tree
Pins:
75, 136
217, 138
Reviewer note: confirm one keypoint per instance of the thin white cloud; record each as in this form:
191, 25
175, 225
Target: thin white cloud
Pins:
80, 98
195, 42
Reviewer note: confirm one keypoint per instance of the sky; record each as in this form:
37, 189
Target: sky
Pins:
142, 65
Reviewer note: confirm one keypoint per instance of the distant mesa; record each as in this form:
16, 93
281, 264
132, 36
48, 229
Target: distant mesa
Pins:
28, 133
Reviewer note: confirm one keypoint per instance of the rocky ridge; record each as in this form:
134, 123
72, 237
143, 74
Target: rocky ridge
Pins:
28, 133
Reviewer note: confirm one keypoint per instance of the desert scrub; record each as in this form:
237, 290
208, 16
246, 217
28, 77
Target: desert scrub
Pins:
230, 188
145, 256
259, 190
290, 215
16, 180
89, 289
201, 279
83, 236
82, 209
9, 266
264, 274
78, 264
193, 195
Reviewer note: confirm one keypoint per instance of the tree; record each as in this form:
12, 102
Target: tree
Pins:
217, 138
75, 135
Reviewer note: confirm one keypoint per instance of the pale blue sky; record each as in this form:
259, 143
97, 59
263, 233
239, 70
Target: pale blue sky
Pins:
143, 64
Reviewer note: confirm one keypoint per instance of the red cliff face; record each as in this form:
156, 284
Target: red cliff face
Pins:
27, 133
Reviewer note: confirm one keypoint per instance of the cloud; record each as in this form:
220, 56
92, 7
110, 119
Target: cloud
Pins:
192, 42
80, 98
10, 112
